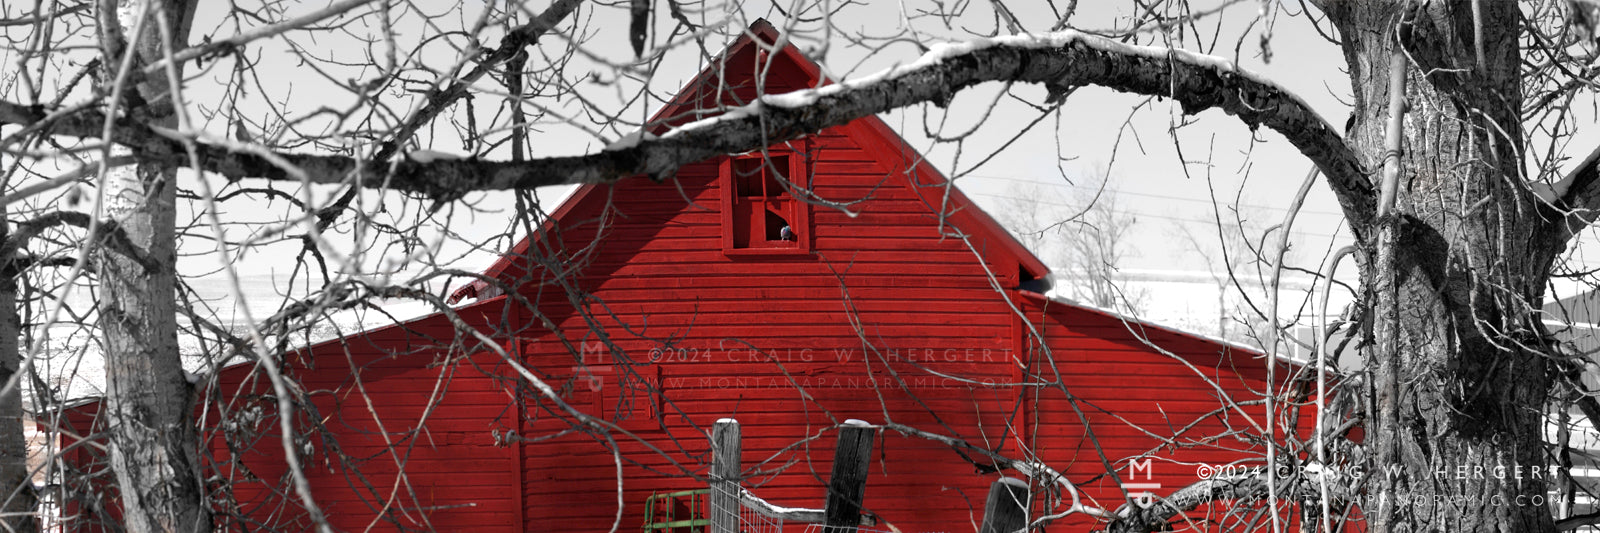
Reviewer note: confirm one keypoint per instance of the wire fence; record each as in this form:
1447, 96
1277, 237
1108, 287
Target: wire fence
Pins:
818, 528
751, 521
691, 511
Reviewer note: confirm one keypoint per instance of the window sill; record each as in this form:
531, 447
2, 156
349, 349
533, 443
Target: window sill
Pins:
787, 251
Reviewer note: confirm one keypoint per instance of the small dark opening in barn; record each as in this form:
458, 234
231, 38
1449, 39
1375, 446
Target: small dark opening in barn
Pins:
778, 228
1028, 282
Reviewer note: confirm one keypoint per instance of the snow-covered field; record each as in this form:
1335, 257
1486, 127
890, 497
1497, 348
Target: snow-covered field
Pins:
69, 360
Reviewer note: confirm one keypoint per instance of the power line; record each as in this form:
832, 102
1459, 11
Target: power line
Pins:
1120, 192
1143, 214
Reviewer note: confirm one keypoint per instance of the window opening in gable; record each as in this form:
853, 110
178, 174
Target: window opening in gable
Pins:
765, 214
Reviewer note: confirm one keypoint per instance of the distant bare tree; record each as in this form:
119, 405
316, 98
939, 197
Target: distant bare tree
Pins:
1031, 215
1098, 242
1237, 261
1085, 234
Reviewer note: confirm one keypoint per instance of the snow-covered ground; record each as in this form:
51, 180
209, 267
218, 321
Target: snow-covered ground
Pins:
1200, 303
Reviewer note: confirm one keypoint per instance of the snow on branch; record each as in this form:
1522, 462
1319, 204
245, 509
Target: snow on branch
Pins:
791, 514
1059, 61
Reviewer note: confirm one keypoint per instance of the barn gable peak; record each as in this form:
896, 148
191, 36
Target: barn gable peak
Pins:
717, 88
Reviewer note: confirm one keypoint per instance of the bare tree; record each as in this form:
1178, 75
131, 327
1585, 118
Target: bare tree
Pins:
15, 475
1453, 173
1086, 234
1238, 261
1098, 241
153, 447
1031, 217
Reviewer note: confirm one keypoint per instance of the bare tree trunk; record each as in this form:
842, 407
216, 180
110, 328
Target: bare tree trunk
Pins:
153, 446
1454, 273
16, 484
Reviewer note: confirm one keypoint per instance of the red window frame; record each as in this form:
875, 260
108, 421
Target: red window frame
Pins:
750, 216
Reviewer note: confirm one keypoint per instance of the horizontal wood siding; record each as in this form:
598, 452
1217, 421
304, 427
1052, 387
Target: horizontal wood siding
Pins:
398, 400
889, 318
91, 506
1143, 393
413, 399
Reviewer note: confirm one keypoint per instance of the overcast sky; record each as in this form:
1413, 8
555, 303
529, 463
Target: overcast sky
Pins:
1172, 196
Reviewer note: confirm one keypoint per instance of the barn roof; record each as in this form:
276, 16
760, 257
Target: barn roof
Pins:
1154, 334
963, 212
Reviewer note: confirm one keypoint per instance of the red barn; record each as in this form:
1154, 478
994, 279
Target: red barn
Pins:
832, 278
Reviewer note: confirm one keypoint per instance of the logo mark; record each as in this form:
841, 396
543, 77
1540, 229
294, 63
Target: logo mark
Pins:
1140, 491
592, 372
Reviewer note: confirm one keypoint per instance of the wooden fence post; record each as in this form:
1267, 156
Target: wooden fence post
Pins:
725, 470
847, 487
1007, 508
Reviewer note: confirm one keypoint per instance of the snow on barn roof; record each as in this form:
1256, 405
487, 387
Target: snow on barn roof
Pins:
1139, 327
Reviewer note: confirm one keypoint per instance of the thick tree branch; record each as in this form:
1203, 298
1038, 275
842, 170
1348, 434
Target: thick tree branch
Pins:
112, 234
41, 17
1160, 515
1059, 61
1578, 196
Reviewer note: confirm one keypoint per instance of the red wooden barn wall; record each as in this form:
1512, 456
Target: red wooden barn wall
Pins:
696, 314
456, 477
437, 411
1132, 380
700, 336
